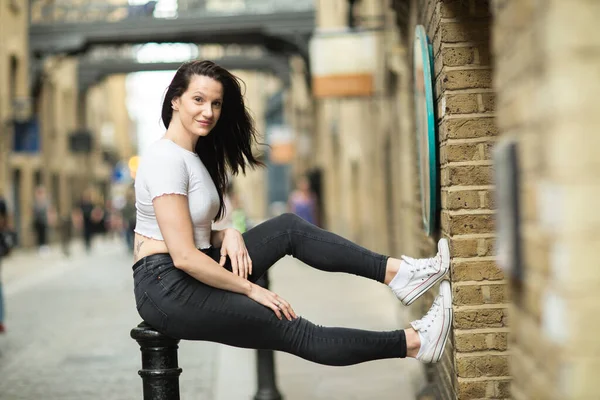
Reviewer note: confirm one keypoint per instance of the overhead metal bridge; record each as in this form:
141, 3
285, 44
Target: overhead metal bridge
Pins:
72, 26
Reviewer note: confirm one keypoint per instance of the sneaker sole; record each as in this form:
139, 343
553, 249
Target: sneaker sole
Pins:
444, 249
438, 351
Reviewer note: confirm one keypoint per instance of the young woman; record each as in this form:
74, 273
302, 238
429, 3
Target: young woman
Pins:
197, 284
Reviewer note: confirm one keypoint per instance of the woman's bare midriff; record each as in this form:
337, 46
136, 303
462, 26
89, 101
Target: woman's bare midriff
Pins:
145, 246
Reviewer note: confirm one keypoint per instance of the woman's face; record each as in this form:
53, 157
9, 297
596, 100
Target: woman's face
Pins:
199, 108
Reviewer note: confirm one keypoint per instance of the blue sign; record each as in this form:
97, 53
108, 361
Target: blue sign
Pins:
426, 128
27, 136
121, 174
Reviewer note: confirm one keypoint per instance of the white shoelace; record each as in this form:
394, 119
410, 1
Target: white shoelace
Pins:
422, 263
424, 323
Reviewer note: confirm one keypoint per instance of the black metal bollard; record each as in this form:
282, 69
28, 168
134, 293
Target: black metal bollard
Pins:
160, 372
265, 365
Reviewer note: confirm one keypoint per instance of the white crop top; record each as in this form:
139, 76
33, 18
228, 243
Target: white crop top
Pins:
167, 168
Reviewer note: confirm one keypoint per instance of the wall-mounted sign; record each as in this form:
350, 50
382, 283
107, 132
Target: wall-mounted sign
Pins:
508, 240
426, 128
343, 63
283, 144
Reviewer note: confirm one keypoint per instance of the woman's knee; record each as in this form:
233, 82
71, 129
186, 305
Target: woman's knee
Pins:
288, 220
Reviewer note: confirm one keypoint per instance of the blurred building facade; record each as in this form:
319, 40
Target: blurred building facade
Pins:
15, 105
55, 139
112, 129
252, 187
546, 73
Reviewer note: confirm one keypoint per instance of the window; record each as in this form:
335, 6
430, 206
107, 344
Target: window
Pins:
15, 5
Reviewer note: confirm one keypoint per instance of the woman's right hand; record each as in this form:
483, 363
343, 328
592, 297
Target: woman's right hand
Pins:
273, 301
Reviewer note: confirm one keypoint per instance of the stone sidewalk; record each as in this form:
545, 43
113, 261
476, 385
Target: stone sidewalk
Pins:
68, 335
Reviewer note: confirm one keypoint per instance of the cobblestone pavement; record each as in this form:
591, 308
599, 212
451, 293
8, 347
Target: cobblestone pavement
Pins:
68, 324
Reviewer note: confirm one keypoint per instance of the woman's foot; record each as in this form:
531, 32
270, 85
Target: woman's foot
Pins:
432, 330
416, 276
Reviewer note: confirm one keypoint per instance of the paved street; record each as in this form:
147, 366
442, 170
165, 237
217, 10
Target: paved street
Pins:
68, 324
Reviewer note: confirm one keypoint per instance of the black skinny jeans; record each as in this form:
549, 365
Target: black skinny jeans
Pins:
182, 307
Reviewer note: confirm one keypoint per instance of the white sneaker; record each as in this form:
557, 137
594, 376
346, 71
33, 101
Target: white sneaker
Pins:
434, 327
416, 276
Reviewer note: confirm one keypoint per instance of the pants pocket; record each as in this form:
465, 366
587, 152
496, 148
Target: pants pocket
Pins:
171, 279
151, 313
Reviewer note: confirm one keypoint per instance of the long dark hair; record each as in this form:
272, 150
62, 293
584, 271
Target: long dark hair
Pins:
228, 147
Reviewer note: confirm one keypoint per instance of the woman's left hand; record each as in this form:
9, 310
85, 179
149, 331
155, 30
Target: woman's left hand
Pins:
233, 246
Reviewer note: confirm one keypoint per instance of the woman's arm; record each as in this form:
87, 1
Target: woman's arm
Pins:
174, 221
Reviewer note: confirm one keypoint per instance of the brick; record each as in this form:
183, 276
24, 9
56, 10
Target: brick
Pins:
466, 79
575, 26
455, 32
467, 128
457, 224
472, 247
469, 342
483, 52
451, 152
488, 101
573, 154
502, 389
529, 335
577, 218
583, 372
481, 318
467, 295
532, 295
457, 56
578, 275
478, 366
496, 294
476, 271
461, 199
517, 14
462, 9
519, 368
461, 104
471, 390
480, 389
489, 199
466, 175
436, 44
477, 54
464, 247
431, 17
479, 294
536, 253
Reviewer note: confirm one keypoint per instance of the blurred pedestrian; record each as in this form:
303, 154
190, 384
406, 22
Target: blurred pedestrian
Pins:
194, 283
87, 217
43, 218
7, 243
66, 233
303, 201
